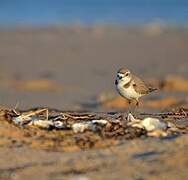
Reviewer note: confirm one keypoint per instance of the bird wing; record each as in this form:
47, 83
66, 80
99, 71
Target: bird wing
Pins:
140, 86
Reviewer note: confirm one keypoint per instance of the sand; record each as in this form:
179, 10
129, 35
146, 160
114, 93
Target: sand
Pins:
68, 68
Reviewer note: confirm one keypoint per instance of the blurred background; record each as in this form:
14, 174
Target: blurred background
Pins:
64, 53
48, 12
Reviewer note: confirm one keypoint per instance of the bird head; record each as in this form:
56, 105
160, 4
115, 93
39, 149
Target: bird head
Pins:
123, 75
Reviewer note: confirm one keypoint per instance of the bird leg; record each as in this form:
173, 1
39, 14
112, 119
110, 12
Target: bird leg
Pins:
129, 108
133, 106
125, 114
136, 107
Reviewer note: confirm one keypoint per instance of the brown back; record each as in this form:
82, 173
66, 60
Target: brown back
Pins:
140, 86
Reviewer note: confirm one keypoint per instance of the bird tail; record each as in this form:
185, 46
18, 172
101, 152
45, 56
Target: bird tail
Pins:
151, 89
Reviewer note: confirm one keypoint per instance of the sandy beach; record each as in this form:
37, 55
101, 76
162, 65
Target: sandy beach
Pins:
72, 68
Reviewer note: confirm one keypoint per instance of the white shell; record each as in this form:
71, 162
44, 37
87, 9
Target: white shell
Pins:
41, 123
79, 127
100, 121
151, 124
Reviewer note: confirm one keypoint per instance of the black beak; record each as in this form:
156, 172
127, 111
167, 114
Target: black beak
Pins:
120, 77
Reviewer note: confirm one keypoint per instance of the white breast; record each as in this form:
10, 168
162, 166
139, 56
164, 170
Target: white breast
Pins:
128, 93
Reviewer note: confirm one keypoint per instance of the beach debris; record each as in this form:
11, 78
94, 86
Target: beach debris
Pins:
45, 124
92, 125
101, 121
149, 124
28, 117
35, 118
107, 125
180, 113
80, 127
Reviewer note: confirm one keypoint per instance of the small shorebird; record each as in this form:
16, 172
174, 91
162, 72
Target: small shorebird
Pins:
130, 86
